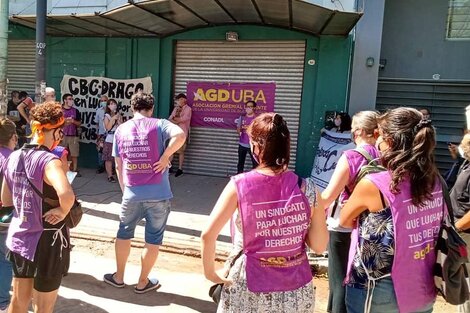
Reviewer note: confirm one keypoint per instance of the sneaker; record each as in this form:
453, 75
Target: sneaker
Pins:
5, 310
78, 174
179, 172
111, 179
100, 170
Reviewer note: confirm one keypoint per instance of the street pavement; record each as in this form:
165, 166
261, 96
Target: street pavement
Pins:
194, 198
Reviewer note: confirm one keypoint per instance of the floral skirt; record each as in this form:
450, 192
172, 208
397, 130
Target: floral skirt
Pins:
237, 297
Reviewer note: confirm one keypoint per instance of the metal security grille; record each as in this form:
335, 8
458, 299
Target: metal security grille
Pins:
446, 101
458, 19
21, 65
213, 151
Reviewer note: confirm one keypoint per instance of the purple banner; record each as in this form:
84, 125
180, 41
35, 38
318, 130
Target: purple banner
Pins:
219, 105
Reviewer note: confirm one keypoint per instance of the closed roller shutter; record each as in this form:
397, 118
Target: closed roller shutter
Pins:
446, 101
21, 70
213, 151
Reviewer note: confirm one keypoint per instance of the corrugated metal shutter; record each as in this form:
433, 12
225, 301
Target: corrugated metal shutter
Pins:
21, 70
446, 101
214, 151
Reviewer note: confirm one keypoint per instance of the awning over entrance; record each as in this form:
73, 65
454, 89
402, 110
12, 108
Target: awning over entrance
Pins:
166, 17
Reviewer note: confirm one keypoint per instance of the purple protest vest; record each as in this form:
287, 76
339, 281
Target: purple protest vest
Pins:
4, 154
416, 230
275, 217
71, 129
246, 121
137, 141
26, 226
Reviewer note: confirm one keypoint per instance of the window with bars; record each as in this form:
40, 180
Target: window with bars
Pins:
458, 19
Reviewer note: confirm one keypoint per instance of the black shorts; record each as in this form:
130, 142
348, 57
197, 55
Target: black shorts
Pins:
51, 262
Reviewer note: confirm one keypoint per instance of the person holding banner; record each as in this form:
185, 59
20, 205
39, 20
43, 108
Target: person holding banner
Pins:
342, 123
101, 131
244, 142
275, 214
112, 119
338, 191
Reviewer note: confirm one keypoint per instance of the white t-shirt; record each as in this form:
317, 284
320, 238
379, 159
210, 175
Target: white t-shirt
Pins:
110, 134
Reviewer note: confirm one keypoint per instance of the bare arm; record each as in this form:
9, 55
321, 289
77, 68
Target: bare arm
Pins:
223, 210
177, 139
464, 222
185, 115
338, 181
6, 196
55, 176
118, 162
317, 236
21, 108
109, 122
366, 196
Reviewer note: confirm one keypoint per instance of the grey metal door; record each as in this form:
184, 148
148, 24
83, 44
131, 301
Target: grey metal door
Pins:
213, 151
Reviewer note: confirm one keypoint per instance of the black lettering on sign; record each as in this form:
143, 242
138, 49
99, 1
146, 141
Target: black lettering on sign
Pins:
83, 87
94, 90
111, 92
88, 133
93, 102
139, 87
120, 90
73, 90
104, 87
128, 92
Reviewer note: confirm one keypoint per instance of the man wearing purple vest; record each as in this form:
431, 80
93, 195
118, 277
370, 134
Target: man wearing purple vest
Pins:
72, 123
142, 161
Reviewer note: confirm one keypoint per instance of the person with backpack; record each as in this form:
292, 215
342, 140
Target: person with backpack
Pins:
396, 215
275, 214
342, 183
460, 199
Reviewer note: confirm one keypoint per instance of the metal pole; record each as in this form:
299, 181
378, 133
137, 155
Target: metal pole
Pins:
3, 56
41, 14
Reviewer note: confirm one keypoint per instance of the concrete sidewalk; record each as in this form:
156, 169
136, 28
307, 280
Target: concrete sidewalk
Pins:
194, 198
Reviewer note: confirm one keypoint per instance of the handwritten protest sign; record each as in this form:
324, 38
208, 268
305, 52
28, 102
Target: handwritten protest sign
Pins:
329, 151
219, 105
87, 91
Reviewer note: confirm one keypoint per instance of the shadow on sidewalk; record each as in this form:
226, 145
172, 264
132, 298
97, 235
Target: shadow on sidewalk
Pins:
170, 228
64, 305
98, 288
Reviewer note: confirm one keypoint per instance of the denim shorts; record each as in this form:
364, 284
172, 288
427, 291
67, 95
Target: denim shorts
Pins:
383, 299
155, 214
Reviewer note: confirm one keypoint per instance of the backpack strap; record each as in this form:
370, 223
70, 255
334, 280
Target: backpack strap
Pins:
445, 194
365, 154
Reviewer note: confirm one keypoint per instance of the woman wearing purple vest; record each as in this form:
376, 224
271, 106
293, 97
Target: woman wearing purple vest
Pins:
38, 240
276, 214
396, 215
342, 183
244, 143
8, 141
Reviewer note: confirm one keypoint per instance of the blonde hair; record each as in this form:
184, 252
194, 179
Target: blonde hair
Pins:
7, 130
367, 121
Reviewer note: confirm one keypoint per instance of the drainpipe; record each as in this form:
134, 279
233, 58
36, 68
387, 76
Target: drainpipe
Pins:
40, 85
3, 55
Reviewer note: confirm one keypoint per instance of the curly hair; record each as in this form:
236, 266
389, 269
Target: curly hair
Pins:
411, 151
142, 101
48, 112
270, 132
7, 130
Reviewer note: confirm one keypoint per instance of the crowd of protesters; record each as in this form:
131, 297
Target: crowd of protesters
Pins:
275, 215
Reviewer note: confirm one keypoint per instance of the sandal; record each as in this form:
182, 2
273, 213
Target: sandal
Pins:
152, 284
109, 279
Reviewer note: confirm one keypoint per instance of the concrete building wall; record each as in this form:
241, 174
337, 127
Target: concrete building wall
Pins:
414, 42
368, 36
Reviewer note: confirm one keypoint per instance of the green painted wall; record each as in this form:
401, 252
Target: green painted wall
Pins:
325, 83
119, 58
